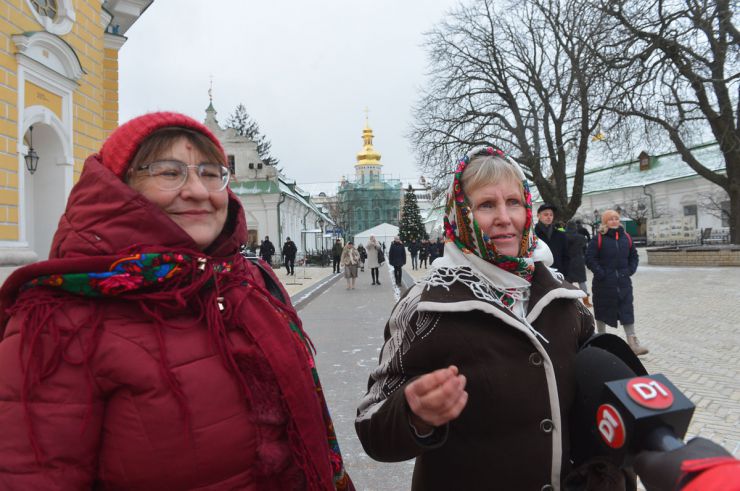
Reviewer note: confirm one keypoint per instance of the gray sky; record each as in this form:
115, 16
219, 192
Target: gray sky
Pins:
304, 69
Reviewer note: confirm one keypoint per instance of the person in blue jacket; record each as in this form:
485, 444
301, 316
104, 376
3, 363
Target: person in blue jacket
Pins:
612, 258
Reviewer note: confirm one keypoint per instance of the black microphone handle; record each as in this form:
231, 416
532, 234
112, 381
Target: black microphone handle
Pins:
662, 439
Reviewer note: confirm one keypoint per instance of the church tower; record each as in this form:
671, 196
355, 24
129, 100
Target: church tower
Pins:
368, 166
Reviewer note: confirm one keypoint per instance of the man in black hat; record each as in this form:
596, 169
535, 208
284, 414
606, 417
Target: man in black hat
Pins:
289, 252
556, 240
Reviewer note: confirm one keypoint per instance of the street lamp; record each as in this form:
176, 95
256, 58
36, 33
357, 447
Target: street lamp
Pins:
596, 219
31, 158
321, 226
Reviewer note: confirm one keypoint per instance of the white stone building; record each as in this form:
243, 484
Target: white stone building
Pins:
273, 205
423, 193
670, 198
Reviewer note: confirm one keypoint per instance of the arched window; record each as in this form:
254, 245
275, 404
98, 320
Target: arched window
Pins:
57, 16
46, 8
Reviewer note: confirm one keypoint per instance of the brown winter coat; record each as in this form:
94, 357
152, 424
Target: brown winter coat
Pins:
513, 433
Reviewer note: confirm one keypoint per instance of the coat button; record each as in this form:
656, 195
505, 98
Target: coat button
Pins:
547, 425
547, 487
535, 359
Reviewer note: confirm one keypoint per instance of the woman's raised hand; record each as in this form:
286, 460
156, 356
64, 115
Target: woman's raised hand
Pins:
436, 398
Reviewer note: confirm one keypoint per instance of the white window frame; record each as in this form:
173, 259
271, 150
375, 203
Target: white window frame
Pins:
59, 25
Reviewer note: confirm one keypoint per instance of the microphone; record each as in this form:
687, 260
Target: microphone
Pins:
618, 412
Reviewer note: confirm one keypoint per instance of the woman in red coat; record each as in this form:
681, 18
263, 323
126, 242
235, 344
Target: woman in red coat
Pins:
147, 353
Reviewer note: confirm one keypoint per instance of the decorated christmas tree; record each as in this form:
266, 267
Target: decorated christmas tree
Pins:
411, 227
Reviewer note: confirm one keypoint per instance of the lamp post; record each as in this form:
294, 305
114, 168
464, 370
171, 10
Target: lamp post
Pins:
593, 224
321, 226
31, 158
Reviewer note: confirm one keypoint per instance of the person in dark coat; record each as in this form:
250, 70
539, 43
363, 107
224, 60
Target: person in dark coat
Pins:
612, 258
491, 320
414, 247
583, 231
436, 249
576, 273
267, 250
440, 247
336, 255
433, 252
397, 258
423, 253
289, 252
554, 238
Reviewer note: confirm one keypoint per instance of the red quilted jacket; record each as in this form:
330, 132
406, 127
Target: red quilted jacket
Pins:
128, 402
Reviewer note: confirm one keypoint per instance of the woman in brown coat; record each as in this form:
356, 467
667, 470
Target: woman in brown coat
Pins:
476, 376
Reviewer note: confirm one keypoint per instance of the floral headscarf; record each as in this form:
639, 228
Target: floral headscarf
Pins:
462, 229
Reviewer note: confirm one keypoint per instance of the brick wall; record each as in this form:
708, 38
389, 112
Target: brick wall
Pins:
12, 21
694, 257
95, 103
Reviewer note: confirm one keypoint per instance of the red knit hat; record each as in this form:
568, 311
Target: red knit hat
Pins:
122, 144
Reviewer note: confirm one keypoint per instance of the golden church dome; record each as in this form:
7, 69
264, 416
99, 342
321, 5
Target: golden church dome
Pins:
368, 155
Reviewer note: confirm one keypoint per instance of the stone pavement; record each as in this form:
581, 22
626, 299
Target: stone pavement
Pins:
303, 279
690, 320
346, 326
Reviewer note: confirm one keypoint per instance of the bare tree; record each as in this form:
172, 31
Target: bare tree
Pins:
636, 210
521, 77
716, 204
677, 62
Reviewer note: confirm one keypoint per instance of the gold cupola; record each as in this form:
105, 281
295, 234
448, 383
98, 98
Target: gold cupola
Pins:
368, 164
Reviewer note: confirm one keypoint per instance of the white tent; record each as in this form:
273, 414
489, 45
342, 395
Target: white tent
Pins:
385, 232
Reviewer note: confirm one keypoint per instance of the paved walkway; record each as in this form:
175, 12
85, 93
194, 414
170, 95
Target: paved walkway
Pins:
303, 279
346, 327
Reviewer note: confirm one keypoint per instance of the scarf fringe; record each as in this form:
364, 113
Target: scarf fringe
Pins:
481, 288
199, 287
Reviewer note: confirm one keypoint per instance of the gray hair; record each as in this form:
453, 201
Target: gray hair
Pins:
490, 169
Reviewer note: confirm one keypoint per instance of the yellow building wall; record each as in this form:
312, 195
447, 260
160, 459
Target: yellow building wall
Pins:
95, 102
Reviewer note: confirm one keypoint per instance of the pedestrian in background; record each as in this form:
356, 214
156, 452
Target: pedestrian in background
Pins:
440, 246
147, 352
576, 273
434, 251
583, 231
363, 256
414, 247
289, 252
350, 260
423, 253
267, 250
554, 238
397, 258
374, 252
490, 320
612, 258
336, 255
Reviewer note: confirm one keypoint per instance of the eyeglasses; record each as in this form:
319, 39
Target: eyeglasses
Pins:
171, 175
